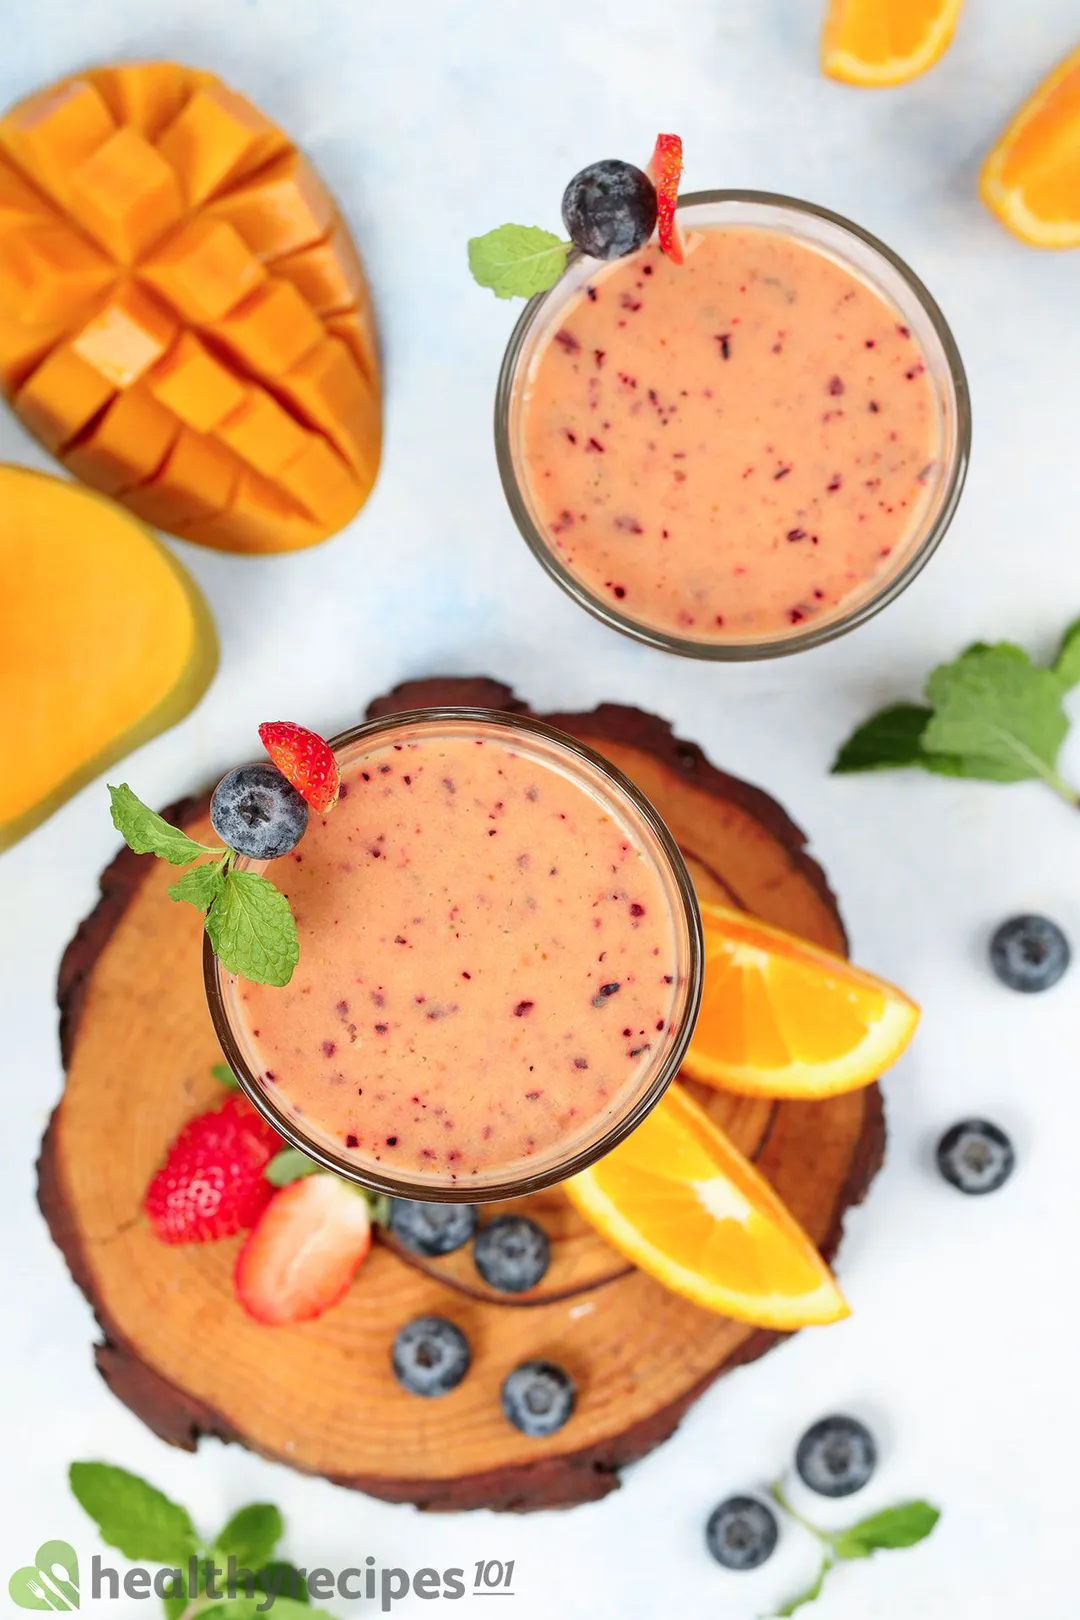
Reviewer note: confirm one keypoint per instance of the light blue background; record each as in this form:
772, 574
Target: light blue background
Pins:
433, 121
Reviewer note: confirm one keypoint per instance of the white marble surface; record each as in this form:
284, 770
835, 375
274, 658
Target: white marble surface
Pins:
434, 120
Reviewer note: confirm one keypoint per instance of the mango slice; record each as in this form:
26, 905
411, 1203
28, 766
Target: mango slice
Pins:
107, 642
184, 317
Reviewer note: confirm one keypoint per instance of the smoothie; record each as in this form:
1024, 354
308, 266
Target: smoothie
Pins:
494, 959
732, 450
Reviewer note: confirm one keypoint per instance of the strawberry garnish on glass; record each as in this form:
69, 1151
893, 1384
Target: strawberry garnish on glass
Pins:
665, 171
305, 760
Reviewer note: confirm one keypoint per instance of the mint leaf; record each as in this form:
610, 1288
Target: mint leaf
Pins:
282, 1580
811, 1594
889, 740
1000, 714
516, 261
147, 833
290, 1165
200, 885
1067, 662
252, 930
250, 1535
224, 1076
132, 1516
902, 1526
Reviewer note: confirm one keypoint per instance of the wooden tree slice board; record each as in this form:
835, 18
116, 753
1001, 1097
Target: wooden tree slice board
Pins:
178, 1350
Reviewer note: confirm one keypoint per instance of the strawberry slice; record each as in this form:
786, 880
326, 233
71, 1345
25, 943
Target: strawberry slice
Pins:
212, 1183
305, 760
304, 1252
665, 172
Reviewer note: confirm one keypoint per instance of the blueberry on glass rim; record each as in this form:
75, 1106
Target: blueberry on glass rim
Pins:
512, 1253
609, 209
836, 1456
430, 1356
538, 1398
976, 1157
431, 1229
1029, 953
258, 813
741, 1533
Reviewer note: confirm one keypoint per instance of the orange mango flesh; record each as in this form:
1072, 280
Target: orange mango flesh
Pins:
87, 671
160, 237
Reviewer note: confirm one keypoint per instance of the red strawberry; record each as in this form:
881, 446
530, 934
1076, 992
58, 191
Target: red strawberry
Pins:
304, 1252
305, 760
665, 172
212, 1184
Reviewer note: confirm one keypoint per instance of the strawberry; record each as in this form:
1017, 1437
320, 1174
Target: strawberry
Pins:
305, 1250
665, 172
305, 760
212, 1184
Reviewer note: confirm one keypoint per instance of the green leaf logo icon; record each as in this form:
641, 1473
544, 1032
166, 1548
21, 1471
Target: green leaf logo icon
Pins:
50, 1582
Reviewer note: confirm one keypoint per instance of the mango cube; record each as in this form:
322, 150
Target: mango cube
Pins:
283, 208
196, 387
127, 337
262, 434
204, 270
51, 133
270, 331
61, 396
125, 195
125, 445
216, 137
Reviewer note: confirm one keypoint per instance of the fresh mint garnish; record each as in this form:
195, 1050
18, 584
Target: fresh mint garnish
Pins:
147, 1527
517, 261
250, 1535
252, 929
902, 1526
248, 920
132, 1516
200, 886
147, 833
224, 1076
992, 715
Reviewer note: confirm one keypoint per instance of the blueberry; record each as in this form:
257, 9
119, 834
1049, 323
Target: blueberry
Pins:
257, 813
975, 1156
430, 1356
431, 1229
538, 1398
1029, 953
836, 1456
609, 209
512, 1253
741, 1533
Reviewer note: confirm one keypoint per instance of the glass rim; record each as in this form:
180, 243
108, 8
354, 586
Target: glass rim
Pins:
813, 635
404, 1186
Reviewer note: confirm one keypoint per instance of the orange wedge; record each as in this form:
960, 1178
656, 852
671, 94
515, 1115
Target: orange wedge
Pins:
783, 1018
882, 42
1031, 178
682, 1203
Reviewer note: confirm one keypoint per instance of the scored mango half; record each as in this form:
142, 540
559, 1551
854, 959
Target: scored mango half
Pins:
184, 319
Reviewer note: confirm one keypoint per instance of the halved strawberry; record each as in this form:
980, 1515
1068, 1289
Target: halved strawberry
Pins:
304, 1252
665, 172
305, 759
212, 1183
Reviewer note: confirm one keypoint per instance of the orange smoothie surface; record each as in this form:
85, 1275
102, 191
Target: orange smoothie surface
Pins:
487, 961
731, 448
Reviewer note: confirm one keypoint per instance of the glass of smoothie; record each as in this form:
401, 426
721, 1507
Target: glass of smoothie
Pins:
500, 962
747, 454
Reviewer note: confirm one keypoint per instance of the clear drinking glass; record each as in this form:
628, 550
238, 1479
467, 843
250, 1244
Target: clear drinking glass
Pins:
549, 750
869, 261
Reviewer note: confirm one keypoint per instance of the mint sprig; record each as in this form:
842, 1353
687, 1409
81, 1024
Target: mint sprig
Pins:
249, 923
143, 1524
902, 1526
517, 261
992, 715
